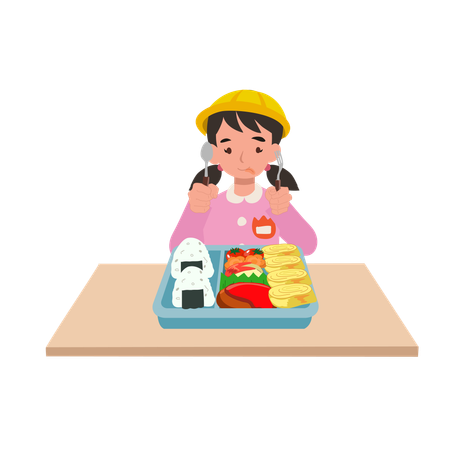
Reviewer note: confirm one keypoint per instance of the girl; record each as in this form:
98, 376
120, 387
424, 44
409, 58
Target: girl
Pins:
244, 129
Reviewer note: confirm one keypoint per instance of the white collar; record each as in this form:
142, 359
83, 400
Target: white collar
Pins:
254, 197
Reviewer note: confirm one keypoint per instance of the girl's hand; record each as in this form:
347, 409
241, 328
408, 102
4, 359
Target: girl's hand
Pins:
200, 197
279, 200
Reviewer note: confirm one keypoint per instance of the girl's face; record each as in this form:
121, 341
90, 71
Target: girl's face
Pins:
243, 155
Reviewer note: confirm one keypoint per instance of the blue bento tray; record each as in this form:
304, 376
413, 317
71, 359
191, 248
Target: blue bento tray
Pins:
214, 317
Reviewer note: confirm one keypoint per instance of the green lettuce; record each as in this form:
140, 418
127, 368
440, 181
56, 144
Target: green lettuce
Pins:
233, 278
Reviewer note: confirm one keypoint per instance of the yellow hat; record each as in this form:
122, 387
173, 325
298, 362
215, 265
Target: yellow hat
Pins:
246, 101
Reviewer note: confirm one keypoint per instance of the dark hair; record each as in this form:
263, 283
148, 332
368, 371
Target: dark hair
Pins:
248, 119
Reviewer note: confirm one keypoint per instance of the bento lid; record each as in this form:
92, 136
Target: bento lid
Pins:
194, 251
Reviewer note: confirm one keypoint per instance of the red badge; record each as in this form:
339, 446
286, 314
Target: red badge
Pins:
263, 228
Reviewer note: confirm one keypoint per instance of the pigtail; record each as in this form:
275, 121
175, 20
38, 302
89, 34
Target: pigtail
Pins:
215, 175
287, 178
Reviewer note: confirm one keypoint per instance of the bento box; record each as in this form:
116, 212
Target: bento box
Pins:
214, 317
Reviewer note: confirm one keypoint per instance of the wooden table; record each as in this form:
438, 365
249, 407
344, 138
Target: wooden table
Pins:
113, 316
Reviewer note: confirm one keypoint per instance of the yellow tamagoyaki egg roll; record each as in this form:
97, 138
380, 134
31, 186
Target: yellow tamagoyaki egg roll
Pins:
280, 250
291, 295
288, 276
283, 262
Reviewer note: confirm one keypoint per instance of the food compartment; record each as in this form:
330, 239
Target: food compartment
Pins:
300, 271
246, 273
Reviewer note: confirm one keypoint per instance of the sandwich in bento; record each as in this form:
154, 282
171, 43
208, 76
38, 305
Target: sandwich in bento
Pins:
191, 253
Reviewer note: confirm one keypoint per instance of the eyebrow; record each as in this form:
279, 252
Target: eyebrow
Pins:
225, 140
258, 138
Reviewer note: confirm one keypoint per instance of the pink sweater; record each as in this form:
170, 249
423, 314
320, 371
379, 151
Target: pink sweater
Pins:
233, 220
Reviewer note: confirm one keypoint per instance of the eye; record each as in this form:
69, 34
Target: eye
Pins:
228, 150
258, 150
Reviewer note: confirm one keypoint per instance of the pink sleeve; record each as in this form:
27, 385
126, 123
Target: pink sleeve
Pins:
295, 230
191, 224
